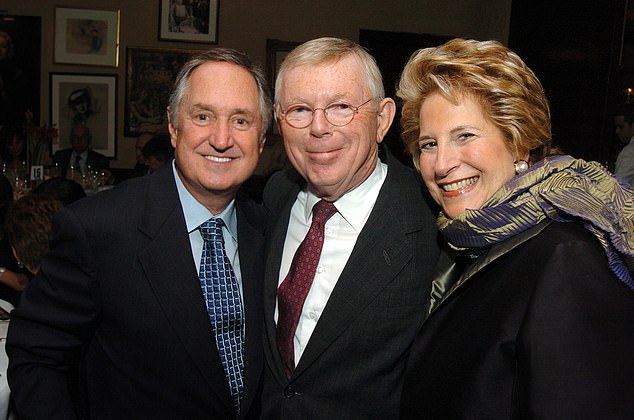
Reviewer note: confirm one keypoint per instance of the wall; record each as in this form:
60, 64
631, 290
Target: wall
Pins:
246, 25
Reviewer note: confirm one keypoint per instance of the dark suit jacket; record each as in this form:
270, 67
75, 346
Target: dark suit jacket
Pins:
353, 364
120, 286
537, 329
94, 159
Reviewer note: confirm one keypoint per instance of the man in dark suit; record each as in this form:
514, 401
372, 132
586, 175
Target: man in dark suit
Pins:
131, 290
341, 316
79, 155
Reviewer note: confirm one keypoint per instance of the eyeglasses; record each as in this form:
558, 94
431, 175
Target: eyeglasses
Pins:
337, 114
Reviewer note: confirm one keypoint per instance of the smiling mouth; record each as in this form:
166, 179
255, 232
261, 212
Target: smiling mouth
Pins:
464, 183
218, 159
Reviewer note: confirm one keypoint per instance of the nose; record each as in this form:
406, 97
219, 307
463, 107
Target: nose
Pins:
220, 137
446, 159
320, 125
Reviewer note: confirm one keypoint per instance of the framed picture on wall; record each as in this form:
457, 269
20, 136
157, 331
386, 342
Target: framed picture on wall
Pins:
189, 21
150, 75
84, 36
276, 51
88, 99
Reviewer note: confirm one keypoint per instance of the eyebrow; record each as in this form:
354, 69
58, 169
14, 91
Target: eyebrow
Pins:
234, 111
452, 131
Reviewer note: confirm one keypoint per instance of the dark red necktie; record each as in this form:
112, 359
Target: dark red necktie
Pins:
293, 290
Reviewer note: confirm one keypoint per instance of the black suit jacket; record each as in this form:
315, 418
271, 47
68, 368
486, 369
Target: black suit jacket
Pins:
538, 328
120, 288
94, 159
353, 364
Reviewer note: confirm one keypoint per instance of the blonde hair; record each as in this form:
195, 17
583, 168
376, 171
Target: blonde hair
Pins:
511, 96
328, 50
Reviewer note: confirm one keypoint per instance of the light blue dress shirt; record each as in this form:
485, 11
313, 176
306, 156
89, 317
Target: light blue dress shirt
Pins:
196, 214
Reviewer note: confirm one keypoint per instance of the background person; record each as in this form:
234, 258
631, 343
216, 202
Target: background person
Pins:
65, 190
29, 228
532, 315
128, 288
341, 353
624, 123
13, 278
79, 155
13, 149
157, 152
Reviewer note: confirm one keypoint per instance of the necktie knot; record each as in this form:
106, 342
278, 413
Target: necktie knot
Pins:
322, 211
211, 230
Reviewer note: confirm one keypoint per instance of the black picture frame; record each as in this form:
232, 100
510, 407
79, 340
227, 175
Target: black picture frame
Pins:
98, 96
197, 21
150, 75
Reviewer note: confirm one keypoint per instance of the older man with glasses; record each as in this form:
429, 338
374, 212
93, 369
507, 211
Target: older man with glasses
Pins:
352, 247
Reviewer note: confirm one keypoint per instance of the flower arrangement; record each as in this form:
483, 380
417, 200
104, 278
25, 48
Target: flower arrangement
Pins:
39, 140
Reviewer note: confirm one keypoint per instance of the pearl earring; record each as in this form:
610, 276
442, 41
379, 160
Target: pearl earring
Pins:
521, 166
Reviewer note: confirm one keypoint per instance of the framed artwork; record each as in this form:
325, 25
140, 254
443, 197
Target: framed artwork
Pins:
84, 36
150, 75
276, 51
189, 20
20, 52
89, 99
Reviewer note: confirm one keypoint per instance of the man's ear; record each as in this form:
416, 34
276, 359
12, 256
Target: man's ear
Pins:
172, 130
387, 110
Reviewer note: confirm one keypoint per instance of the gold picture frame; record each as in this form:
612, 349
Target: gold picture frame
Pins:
89, 37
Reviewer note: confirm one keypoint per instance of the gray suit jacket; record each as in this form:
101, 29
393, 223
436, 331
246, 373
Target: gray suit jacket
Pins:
120, 288
353, 364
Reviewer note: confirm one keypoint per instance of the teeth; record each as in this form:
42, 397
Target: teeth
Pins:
218, 159
460, 184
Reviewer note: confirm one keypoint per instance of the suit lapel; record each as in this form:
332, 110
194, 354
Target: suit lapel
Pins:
251, 249
283, 198
170, 270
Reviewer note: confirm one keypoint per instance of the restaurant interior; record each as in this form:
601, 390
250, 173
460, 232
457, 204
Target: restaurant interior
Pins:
583, 54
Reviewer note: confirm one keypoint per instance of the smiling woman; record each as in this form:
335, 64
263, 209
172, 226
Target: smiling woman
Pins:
537, 249
463, 156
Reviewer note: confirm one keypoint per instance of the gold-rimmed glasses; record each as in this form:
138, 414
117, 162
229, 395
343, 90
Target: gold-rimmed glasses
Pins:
337, 114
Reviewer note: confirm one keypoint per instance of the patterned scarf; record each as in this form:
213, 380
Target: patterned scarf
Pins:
560, 188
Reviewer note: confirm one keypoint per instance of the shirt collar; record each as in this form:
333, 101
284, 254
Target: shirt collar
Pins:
196, 214
355, 205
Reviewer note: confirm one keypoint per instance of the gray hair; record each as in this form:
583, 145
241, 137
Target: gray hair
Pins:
223, 55
326, 50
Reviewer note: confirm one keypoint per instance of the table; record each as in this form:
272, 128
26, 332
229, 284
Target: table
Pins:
5, 392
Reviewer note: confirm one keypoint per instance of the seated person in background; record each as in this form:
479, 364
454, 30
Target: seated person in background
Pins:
13, 278
12, 148
141, 141
62, 189
79, 155
624, 123
157, 152
29, 227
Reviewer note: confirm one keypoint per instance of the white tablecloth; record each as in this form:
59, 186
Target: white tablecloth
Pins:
5, 393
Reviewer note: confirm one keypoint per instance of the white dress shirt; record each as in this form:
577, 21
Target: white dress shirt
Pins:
340, 237
625, 163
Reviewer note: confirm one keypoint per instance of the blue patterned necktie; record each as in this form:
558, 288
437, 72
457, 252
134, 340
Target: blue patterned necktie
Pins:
222, 296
